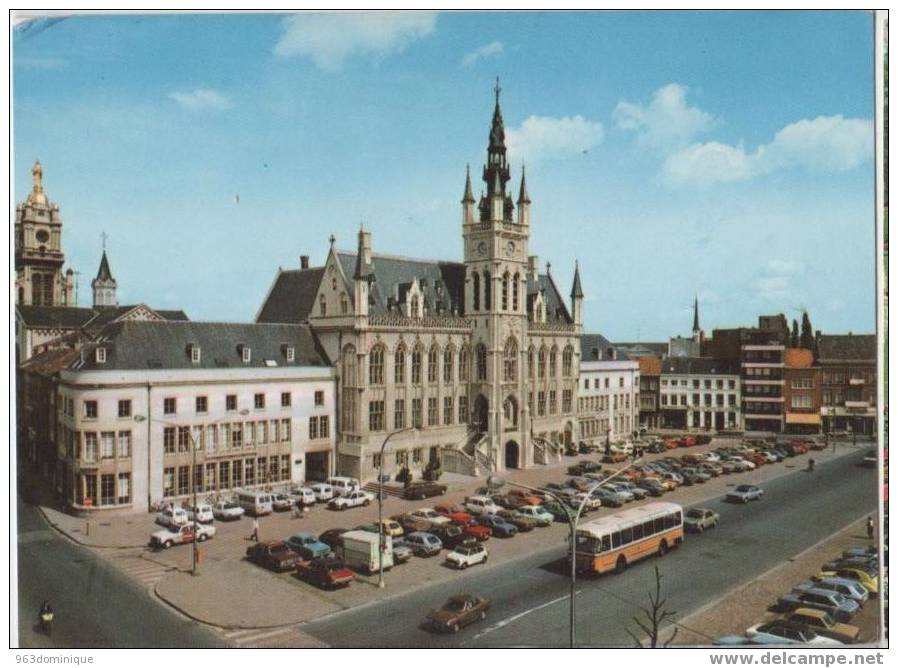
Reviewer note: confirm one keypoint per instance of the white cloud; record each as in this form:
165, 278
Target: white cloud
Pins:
545, 138
329, 38
485, 51
200, 99
779, 267
822, 144
667, 121
773, 288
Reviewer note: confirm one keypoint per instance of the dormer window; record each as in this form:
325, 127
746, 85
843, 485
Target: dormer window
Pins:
291, 354
246, 353
101, 355
195, 353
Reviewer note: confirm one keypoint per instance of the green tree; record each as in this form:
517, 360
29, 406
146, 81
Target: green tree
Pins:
794, 339
807, 332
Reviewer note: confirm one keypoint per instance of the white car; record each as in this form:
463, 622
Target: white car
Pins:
182, 534
203, 513
779, 632
467, 554
481, 505
351, 500
712, 457
743, 464
543, 517
430, 515
322, 491
172, 517
280, 502
304, 496
227, 510
626, 448
589, 502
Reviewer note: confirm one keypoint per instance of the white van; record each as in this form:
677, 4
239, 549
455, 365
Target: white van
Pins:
255, 503
322, 491
359, 549
343, 486
172, 517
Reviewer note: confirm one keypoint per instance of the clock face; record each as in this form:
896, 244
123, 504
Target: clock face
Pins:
509, 248
43, 236
481, 248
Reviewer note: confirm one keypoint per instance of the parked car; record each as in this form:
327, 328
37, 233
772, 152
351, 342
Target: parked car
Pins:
695, 475
629, 486
509, 501
410, 524
274, 555
172, 516
467, 554
710, 469
780, 632
352, 499
202, 512
742, 464
423, 490
823, 624
609, 497
401, 551
584, 466
656, 447
869, 562
617, 488
322, 491
699, 519
331, 537
848, 588
476, 529
842, 609
363, 550
499, 526
558, 512
303, 496
177, 535
540, 515
392, 528
307, 545
227, 511
651, 486
457, 612
870, 581
450, 535
531, 498
454, 512
523, 524
613, 457
478, 505
745, 493
281, 502
343, 485
430, 515
424, 544
859, 551
326, 573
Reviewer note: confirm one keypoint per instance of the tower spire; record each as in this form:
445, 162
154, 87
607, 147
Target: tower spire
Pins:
469, 193
695, 326
524, 196
576, 289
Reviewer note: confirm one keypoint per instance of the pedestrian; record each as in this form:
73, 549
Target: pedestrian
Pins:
870, 527
255, 534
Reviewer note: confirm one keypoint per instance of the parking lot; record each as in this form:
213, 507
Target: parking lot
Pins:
228, 580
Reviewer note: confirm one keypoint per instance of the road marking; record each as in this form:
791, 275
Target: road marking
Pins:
146, 572
251, 637
513, 618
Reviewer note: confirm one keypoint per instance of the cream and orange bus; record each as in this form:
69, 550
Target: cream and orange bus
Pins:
613, 542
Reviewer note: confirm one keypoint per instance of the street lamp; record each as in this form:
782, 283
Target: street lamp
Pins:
193, 448
573, 520
380, 504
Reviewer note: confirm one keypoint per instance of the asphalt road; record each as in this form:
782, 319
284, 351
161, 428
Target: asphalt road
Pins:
96, 606
530, 597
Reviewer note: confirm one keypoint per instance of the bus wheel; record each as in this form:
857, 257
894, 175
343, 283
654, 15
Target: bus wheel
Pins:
621, 564
662, 548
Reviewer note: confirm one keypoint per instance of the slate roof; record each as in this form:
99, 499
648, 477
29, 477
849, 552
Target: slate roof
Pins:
832, 347
107, 314
292, 296
700, 366
556, 309
135, 345
442, 283
649, 347
594, 347
64, 317
51, 361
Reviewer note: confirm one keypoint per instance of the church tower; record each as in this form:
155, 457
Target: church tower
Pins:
40, 280
495, 254
104, 285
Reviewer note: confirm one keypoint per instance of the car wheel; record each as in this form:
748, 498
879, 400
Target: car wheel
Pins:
662, 548
484, 559
701, 528
366, 503
202, 537
167, 544
621, 565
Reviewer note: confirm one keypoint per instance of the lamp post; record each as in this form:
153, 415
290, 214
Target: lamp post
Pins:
573, 520
193, 449
380, 505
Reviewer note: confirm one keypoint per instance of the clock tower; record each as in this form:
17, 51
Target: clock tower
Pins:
495, 252
38, 250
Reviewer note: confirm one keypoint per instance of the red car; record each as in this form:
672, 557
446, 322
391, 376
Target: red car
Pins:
757, 459
455, 513
474, 530
672, 443
687, 441
799, 447
326, 573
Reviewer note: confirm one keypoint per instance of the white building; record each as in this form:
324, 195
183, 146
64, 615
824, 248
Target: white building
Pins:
608, 394
700, 393
258, 400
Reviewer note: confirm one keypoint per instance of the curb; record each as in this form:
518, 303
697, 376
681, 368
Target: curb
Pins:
53, 525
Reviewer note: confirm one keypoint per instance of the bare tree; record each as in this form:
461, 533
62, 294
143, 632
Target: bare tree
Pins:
655, 616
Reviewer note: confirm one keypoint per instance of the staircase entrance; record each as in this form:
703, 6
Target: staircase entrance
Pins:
512, 455
481, 413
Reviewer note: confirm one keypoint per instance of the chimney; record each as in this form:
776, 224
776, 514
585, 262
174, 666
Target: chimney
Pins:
303, 261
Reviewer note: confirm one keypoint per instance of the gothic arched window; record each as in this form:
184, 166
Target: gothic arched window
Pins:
416, 365
567, 362
448, 364
464, 362
476, 291
322, 306
399, 365
541, 363
487, 292
433, 361
505, 281
510, 359
553, 362
348, 395
376, 365
481, 361
530, 363
515, 289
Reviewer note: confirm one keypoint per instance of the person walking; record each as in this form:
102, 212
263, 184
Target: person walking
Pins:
870, 527
255, 534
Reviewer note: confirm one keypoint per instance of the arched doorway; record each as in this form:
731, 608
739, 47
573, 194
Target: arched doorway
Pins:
568, 434
510, 412
481, 413
512, 455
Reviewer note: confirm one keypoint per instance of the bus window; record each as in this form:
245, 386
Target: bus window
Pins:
615, 539
626, 536
659, 524
648, 528
606, 543
637, 532
679, 518
670, 521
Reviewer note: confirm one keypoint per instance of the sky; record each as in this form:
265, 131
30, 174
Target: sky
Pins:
727, 155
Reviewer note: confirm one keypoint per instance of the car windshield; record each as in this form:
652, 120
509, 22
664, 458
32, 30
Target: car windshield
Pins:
743, 488
697, 514
230, 506
455, 605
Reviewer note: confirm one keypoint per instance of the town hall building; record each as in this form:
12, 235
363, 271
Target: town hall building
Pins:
481, 356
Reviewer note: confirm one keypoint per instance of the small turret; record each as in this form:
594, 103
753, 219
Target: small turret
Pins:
468, 201
363, 274
577, 296
523, 201
104, 285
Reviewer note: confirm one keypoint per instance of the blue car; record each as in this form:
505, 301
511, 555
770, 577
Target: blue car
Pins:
500, 526
307, 545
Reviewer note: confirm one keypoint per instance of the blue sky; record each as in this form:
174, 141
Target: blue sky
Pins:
727, 155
